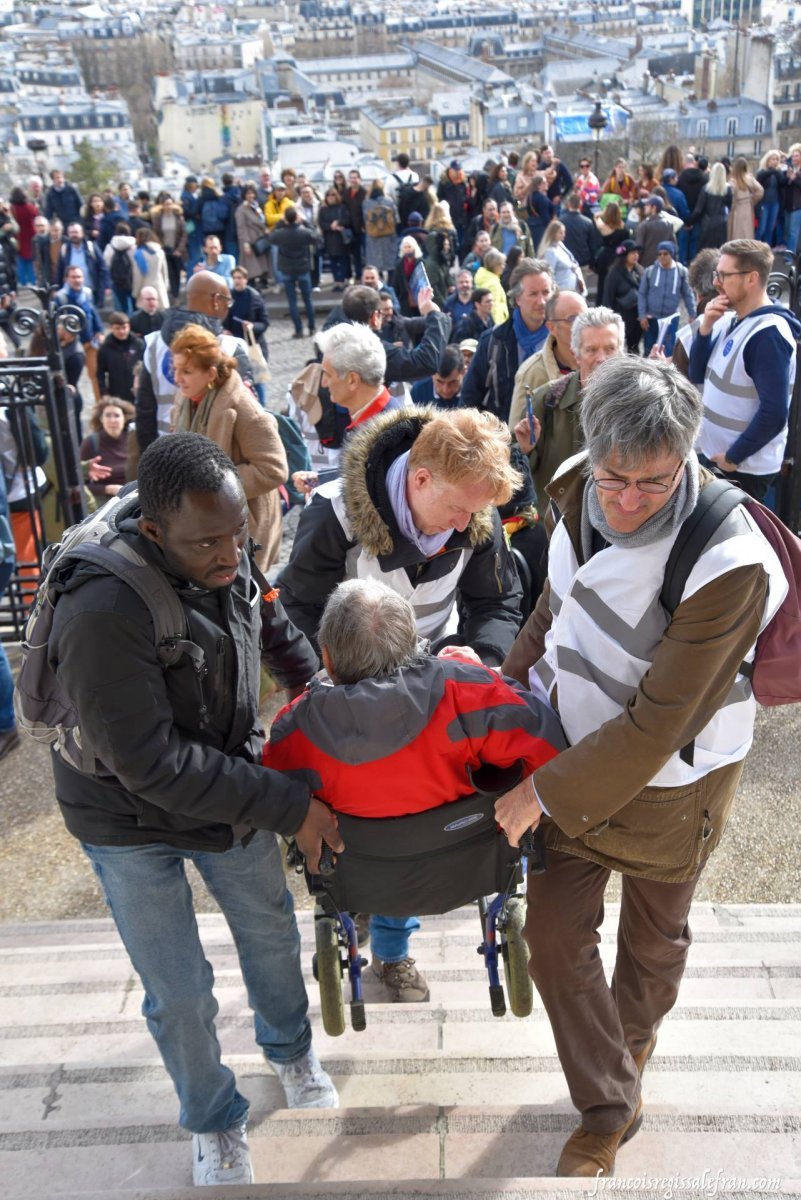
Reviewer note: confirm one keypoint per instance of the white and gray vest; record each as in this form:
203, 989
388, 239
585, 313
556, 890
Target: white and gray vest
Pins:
730, 397
433, 602
605, 632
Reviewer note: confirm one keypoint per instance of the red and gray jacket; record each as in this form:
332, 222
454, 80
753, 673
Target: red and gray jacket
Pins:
405, 742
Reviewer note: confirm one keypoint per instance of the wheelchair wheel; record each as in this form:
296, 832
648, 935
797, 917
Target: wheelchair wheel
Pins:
515, 959
328, 973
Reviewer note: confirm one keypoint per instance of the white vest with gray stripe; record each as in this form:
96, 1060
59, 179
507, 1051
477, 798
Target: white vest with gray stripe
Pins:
730, 397
607, 624
433, 602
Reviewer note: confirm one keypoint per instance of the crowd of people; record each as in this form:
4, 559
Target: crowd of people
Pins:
483, 458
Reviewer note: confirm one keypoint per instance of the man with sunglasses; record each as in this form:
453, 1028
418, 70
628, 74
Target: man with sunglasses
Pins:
659, 717
744, 353
208, 299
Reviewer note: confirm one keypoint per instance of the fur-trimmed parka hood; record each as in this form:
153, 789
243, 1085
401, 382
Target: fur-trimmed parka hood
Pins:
367, 457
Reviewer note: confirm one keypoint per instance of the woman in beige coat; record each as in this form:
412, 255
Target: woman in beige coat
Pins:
250, 227
213, 400
746, 194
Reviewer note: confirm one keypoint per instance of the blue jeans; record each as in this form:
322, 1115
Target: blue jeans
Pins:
389, 936
793, 231
151, 902
768, 216
123, 302
652, 333
304, 283
25, 272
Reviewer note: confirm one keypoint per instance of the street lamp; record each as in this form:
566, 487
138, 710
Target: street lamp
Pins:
38, 148
597, 121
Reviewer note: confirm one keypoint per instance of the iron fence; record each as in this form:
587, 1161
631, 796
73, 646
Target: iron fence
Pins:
34, 396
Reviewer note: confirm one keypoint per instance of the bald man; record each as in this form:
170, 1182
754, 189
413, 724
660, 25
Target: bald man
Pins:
208, 299
149, 316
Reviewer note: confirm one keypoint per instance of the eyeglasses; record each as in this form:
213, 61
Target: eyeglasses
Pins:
724, 275
565, 320
227, 300
650, 487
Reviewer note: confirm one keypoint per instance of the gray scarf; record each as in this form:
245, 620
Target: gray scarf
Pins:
663, 523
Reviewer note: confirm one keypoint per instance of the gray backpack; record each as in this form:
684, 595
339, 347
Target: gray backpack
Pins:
42, 706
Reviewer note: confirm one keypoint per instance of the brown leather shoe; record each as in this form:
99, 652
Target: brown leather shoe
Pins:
644, 1055
590, 1155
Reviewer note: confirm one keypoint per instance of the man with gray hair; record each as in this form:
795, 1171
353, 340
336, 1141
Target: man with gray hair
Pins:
490, 381
596, 335
658, 713
354, 363
352, 369
419, 709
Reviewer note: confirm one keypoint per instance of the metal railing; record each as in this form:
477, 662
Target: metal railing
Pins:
33, 390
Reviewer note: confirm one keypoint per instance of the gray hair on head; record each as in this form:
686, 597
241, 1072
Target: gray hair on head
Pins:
633, 409
354, 348
526, 267
596, 318
368, 631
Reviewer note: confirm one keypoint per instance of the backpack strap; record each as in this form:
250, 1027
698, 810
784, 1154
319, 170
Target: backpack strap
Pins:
116, 557
715, 502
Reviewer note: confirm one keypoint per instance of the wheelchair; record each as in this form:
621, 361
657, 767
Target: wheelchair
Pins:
424, 864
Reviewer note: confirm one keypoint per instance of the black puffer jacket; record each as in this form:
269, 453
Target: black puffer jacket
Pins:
180, 752
349, 530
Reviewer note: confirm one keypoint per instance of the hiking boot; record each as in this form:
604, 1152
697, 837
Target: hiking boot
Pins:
362, 923
305, 1083
394, 983
590, 1155
221, 1158
8, 741
642, 1057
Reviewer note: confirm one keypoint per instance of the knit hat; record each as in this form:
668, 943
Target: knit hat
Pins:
455, 165
668, 174
415, 218
668, 246
626, 246
656, 201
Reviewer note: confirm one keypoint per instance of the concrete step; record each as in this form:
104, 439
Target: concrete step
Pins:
438, 1099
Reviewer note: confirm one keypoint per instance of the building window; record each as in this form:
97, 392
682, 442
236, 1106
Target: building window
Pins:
502, 124
703, 129
450, 130
731, 127
730, 149
759, 125
757, 145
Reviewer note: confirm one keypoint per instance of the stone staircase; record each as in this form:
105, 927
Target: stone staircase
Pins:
438, 1100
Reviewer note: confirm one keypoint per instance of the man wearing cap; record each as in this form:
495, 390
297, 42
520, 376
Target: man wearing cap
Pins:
452, 187
662, 287
654, 229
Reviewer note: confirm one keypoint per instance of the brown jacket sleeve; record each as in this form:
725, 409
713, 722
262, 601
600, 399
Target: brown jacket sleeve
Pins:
261, 459
687, 683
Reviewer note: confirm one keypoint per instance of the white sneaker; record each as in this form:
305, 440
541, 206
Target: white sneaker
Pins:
305, 1083
221, 1158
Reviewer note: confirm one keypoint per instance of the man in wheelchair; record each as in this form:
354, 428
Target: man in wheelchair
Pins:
389, 730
